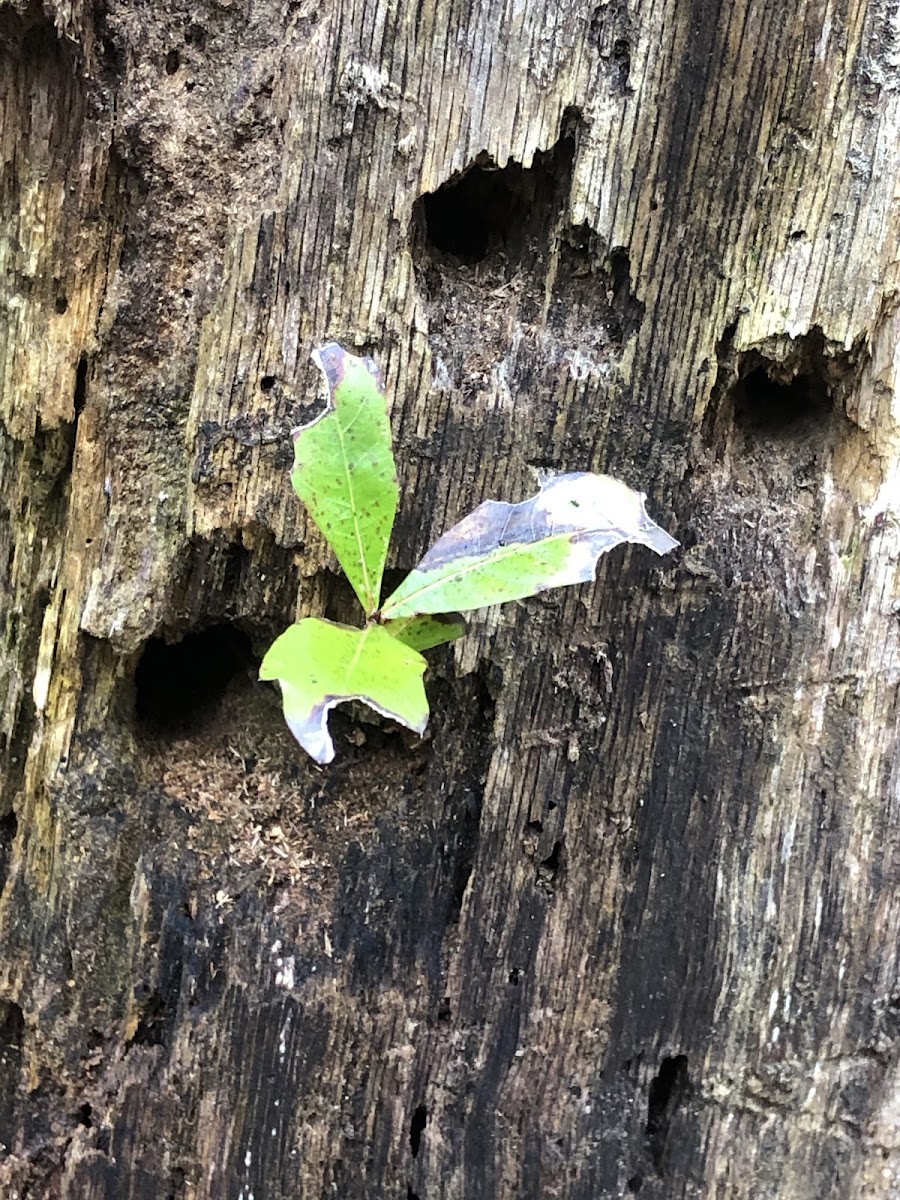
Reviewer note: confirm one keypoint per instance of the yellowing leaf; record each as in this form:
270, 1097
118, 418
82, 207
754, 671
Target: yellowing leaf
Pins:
344, 470
320, 664
506, 551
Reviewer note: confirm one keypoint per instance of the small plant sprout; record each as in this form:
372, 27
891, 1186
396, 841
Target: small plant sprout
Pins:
345, 475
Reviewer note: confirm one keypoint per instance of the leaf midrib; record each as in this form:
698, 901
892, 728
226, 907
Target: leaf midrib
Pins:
495, 556
369, 602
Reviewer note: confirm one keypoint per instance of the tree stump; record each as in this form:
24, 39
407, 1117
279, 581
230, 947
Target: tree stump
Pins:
626, 921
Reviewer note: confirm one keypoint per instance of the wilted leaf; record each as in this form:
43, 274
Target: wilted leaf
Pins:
320, 664
344, 469
424, 632
507, 551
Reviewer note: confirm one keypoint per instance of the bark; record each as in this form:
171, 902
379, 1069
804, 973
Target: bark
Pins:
626, 921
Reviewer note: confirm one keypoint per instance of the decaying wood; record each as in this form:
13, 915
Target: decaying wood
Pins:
626, 922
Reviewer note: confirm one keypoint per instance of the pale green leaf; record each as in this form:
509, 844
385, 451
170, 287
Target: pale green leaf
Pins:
320, 664
344, 470
424, 632
508, 551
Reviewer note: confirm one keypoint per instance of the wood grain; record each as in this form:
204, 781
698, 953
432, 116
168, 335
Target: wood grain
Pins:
626, 922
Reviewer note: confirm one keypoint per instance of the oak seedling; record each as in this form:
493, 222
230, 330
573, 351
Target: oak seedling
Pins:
344, 473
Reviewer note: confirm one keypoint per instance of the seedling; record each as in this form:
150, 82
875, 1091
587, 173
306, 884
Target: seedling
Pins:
345, 475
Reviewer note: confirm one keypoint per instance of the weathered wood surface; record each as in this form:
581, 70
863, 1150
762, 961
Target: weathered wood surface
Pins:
627, 922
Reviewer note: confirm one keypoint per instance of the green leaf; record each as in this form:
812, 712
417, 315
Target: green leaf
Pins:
432, 629
320, 664
507, 551
344, 469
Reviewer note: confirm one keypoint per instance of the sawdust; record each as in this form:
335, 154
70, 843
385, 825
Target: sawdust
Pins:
259, 806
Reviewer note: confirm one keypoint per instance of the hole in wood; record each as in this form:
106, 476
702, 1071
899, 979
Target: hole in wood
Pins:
12, 1040
489, 209
12, 1031
80, 397
417, 1128
173, 62
764, 405
462, 218
667, 1089
551, 862
61, 304
621, 58
179, 685
781, 399
9, 827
